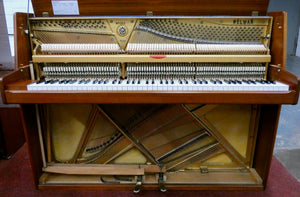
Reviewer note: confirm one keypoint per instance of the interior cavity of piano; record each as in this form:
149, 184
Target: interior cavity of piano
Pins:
152, 54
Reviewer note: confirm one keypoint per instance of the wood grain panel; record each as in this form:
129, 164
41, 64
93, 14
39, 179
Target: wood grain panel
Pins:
22, 44
20, 74
160, 7
266, 136
31, 135
213, 97
11, 130
278, 38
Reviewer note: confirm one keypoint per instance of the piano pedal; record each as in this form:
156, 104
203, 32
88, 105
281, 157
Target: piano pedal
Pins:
138, 184
108, 181
122, 179
161, 182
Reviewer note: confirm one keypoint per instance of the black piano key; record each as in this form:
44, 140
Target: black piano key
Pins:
147, 82
172, 82
153, 82
119, 82
238, 81
246, 81
72, 81
41, 81
227, 81
259, 81
86, 82
233, 81
139, 82
218, 81
53, 81
128, 81
95, 81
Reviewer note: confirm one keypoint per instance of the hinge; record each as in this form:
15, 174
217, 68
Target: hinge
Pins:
254, 13
243, 170
149, 13
45, 14
203, 169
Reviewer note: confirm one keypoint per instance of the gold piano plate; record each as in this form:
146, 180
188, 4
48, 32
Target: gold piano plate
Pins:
131, 32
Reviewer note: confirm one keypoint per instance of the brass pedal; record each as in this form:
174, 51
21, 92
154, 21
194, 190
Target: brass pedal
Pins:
138, 184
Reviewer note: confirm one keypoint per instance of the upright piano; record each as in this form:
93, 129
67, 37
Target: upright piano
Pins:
151, 94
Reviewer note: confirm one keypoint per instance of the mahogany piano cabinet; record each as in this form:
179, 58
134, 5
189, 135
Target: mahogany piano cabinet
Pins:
166, 95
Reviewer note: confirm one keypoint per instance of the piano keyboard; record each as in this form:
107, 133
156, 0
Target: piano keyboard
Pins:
158, 85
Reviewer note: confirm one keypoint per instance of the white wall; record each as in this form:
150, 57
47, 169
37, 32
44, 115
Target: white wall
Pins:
292, 7
5, 56
298, 45
10, 7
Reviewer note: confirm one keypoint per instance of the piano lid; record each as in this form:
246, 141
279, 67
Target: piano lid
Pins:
159, 7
